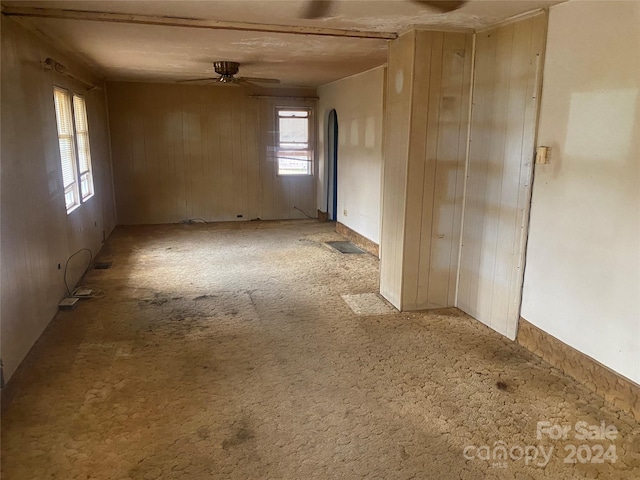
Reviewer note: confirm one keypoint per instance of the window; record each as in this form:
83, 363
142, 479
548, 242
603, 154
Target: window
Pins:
75, 153
82, 140
294, 148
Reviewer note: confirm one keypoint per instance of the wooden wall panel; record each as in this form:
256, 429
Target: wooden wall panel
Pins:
396, 153
424, 168
279, 195
185, 152
436, 201
450, 166
37, 233
501, 153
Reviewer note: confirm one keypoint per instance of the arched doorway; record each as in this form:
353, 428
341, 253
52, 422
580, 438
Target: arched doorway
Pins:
332, 161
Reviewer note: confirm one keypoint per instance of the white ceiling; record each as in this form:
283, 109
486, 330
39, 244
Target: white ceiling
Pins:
135, 52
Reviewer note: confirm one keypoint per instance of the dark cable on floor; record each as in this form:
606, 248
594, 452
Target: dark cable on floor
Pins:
191, 221
66, 265
303, 212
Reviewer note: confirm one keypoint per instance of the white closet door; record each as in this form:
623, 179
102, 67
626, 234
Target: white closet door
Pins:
501, 153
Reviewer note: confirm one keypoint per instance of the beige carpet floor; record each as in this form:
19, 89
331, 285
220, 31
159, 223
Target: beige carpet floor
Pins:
230, 351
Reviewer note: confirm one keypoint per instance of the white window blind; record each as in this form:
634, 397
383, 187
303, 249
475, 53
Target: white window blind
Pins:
84, 152
294, 149
75, 153
64, 122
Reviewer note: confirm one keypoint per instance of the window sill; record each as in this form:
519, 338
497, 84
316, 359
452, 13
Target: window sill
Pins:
73, 209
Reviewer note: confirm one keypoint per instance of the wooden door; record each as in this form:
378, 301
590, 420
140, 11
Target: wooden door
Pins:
508, 70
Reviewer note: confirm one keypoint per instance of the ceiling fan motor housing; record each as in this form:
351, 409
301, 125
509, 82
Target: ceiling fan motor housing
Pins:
226, 70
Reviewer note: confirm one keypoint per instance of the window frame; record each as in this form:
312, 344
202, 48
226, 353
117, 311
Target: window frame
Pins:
75, 188
310, 148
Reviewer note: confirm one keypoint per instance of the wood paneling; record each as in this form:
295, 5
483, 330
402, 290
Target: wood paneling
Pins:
609, 384
508, 64
279, 195
436, 169
396, 153
37, 234
425, 147
184, 152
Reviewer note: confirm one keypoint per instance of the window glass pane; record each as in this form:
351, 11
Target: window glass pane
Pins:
294, 130
79, 109
69, 199
86, 185
66, 156
64, 123
294, 162
84, 150
63, 112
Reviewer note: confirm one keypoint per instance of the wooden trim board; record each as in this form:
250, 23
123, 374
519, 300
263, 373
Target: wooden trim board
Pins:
357, 239
323, 216
614, 388
109, 17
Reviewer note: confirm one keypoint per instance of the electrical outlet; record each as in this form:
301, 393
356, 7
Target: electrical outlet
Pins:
344, 212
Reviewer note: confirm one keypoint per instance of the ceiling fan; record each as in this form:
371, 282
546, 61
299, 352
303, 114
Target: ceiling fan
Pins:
320, 8
227, 71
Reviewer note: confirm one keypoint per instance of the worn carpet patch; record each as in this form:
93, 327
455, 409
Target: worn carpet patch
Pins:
368, 304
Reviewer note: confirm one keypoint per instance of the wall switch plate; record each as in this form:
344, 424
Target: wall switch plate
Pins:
542, 155
68, 303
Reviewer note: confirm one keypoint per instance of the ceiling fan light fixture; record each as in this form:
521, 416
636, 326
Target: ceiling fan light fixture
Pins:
226, 69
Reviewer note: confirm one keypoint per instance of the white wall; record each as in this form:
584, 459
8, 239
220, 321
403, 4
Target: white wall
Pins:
582, 280
359, 104
37, 233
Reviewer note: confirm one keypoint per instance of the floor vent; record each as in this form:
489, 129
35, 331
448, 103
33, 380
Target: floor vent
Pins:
102, 265
345, 247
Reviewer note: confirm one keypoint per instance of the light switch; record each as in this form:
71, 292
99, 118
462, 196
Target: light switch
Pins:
542, 154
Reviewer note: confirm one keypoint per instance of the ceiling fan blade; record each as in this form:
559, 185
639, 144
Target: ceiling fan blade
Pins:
197, 80
443, 6
258, 80
316, 9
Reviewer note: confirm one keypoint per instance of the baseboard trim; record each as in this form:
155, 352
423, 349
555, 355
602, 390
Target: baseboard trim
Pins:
357, 239
613, 387
323, 216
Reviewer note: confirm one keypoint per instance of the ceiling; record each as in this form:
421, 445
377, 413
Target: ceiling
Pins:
163, 53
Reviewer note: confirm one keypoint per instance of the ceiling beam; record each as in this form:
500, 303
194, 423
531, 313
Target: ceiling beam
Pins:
91, 16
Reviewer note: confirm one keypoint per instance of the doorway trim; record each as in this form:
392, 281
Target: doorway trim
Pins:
332, 166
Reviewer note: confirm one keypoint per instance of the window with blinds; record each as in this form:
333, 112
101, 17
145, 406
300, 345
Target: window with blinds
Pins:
73, 141
84, 153
294, 148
